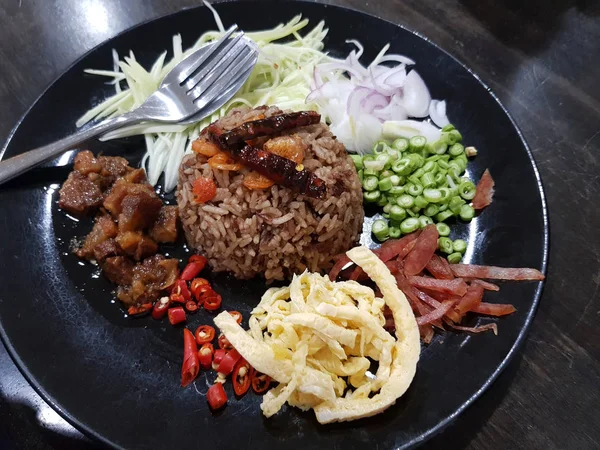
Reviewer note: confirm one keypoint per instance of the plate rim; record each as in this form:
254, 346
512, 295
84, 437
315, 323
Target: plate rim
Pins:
444, 423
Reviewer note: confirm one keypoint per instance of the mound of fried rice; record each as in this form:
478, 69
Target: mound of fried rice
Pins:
273, 232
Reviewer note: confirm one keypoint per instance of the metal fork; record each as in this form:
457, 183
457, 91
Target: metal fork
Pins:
196, 87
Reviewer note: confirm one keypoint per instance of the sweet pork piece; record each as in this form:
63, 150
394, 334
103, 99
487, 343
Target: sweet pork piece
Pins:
165, 228
107, 249
104, 228
121, 189
149, 280
79, 195
139, 211
136, 244
118, 269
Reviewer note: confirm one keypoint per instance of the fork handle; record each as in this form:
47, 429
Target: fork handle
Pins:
22, 163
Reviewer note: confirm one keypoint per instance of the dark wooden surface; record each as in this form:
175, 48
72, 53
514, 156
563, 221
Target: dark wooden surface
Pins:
542, 58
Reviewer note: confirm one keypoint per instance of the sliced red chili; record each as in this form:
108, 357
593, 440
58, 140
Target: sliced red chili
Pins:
176, 315
218, 357
260, 382
204, 334
212, 302
160, 308
139, 310
216, 396
180, 287
224, 343
205, 355
198, 258
177, 298
237, 316
193, 268
241, 377
191, 364
229, 361
202, 292
191, 306
196, 284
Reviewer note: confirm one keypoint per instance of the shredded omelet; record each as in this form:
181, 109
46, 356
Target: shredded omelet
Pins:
319, 338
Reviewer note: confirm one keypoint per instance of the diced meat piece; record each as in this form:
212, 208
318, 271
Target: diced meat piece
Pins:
150, 278
107, 249
494, 309
165, 227
424, 249
114, 167
119, 191
118, 269
136, 176
139, 211
86, 162
484, 192
497, 273
104, 228
79, 195
457, 286
136, 244
439, 268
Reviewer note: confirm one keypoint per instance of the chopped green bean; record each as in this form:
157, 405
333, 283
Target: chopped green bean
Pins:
428, 180
370, 183
424, 221
395, 179
371, 196
358, 161
386, 173
431, 210
443, 216
430, 167
440, 179
395, 232
396, 190
454, 258
405, 201
467, 190
382, 201
385, 159
414, 189
400, 144
443, 229
459, 245
455, 204
386, 208
421, 202
432, 195
376, 165
368, 158
445, 245
456, 149
409, 225
411, 213
394, 154
447, 128
397, 213
419, 173
370, 172
437, 148
385, 184
414, 180
443, 164
467, 212
417, 143
361, 175
416, 160
403, 166
380, 147
380, 229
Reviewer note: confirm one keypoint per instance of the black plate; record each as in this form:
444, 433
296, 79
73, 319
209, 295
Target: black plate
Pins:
118, 379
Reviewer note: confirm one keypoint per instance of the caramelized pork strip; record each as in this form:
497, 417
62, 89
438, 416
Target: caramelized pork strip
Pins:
263, 127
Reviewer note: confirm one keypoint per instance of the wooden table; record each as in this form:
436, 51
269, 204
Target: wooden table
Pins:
542, 59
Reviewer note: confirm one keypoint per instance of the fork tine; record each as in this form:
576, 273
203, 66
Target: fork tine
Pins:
234, 46
206, 78
203, 95
195, 60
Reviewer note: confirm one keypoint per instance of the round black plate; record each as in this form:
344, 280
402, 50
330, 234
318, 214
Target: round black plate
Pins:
118, 379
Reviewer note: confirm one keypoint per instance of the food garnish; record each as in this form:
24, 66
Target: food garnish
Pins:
315, 337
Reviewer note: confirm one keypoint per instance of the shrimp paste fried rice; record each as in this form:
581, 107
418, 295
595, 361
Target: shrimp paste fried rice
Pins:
273, 232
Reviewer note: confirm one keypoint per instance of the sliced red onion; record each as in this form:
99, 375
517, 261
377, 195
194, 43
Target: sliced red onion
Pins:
354, 103
437, 112
416, 97
397, 58
359, 47
373, 101
393, 111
